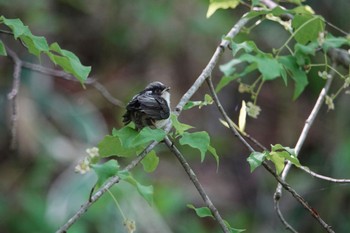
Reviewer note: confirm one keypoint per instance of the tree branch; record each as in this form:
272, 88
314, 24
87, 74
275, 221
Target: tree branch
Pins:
197, 184
281, 182
101, 191
12, 96
185, 98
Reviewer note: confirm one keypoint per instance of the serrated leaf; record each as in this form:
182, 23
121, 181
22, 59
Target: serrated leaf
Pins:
150, 162
302, 52
105, 171
255, 159
197, 140
2, 49
298, 75
201, 212
214, 5
179, 127
146, 191
289, 155
242, 117
307, 27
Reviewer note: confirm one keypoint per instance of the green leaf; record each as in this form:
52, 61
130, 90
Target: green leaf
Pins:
302, 52
126, 136
225, 80
267, 64
69, 62
16, 25
179, 127
147, 135
201, 212
105, 171
229, 68
111, 145
278, 159
298, 75
233, 230
334, 42
255, 159
307, 27
150, 162
214, 5
213, 152
207, 101
289, 155
2, 49
247, 46
145, 191
197, 140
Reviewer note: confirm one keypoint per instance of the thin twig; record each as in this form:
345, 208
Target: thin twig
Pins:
308, 123
101, 191
299, 198
12, 96
322, 177
89, 81
281, 182
211, 65
280, 216
196, 183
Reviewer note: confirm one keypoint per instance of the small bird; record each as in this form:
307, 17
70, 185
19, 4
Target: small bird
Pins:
150, 107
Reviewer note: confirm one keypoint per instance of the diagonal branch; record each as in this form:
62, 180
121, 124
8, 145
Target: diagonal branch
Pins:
89, 81
196, 183
281, 182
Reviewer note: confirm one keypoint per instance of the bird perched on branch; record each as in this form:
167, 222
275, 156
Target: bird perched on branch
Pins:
150, 107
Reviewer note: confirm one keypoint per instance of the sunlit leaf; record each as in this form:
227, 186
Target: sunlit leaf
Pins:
242, 117
214, 5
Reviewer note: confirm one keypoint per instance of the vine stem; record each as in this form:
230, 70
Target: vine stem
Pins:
197, 184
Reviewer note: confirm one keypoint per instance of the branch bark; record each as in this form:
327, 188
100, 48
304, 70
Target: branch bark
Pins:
197, 184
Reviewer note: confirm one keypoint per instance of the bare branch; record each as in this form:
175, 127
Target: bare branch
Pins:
280, 216
322, 177
12, 96
211, 65
104, 189
197, 184
89, 81
308, 123
281, 182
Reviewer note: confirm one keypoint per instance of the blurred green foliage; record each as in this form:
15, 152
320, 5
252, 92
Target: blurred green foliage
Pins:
128, 45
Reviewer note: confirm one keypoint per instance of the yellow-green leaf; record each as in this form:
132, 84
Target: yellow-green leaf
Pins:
242, 117
214, 5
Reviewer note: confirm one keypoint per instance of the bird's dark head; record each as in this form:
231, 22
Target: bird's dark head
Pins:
157, 88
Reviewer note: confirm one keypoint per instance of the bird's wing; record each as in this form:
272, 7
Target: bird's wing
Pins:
154, 107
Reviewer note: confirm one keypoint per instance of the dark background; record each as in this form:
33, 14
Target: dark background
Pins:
129, 44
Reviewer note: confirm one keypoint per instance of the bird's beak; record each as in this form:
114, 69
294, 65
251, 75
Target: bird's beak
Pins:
167, 89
